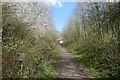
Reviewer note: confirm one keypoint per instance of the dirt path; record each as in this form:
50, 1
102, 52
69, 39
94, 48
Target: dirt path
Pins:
68, 67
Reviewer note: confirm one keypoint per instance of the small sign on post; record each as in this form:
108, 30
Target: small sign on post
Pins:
21, 57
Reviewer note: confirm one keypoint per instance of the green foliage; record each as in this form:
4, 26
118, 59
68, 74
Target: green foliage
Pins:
23, 54
92, 32
96, 57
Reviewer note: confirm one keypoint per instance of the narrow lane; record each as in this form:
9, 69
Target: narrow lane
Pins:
68, 67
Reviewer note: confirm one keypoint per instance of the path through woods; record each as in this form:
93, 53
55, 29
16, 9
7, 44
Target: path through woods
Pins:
69, 68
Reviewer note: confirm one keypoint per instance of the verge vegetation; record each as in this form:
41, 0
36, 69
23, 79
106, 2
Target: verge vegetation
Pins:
93, 34
29, 47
